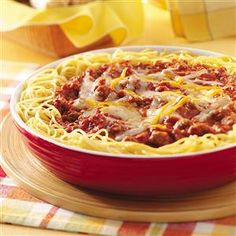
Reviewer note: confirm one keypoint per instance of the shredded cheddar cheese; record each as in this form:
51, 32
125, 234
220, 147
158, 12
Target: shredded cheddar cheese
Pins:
158, 126
132, 93
169, 108
116, 81
95, 104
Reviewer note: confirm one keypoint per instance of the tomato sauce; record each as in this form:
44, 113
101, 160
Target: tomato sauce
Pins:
182, 123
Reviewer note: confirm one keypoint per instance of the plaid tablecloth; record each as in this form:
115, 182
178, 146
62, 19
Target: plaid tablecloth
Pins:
203, 20
19, 207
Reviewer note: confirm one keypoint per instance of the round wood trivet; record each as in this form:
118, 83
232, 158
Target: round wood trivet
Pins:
24, 168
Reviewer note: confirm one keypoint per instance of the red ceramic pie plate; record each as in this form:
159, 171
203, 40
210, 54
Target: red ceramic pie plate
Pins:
130, 174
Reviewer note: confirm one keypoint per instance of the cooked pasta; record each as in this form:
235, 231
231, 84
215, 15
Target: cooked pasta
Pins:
148, 95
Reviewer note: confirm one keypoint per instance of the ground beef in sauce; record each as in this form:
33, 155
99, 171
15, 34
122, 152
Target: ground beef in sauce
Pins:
189, 110
179, 125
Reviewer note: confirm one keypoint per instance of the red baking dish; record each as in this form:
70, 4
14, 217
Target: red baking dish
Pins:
130, 174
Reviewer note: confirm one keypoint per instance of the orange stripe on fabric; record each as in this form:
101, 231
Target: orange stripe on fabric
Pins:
48, 217
5, 97
3, 112
183, 229
137, 229
226, 221
17, 193
8, 83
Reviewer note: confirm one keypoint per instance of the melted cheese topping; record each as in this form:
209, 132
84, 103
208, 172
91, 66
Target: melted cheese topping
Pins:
86, 89
185, 89
132, 93
166, 110
95, 104
116, 81
127, 114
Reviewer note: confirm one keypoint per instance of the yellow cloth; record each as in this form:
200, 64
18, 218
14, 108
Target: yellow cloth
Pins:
82, 24
201, 20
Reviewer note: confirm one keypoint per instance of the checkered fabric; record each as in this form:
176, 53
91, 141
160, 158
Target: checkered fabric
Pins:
19, 207
201, 20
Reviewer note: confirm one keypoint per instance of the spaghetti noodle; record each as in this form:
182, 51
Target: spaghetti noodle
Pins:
143, 103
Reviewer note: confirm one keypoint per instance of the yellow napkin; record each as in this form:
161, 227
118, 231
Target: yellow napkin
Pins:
82, 24
201, 20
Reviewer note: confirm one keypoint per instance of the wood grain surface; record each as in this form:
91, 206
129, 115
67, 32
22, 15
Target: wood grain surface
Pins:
29, 173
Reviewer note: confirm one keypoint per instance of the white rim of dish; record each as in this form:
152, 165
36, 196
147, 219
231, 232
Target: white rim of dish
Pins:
16, 94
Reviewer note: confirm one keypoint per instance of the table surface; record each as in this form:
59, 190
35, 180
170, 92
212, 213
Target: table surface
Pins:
157, 31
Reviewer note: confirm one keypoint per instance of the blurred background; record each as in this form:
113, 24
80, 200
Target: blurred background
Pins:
40, 31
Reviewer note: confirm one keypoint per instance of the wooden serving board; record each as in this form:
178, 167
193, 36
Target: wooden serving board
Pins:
25, 169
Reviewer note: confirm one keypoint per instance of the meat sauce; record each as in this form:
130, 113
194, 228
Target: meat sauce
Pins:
182, 123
